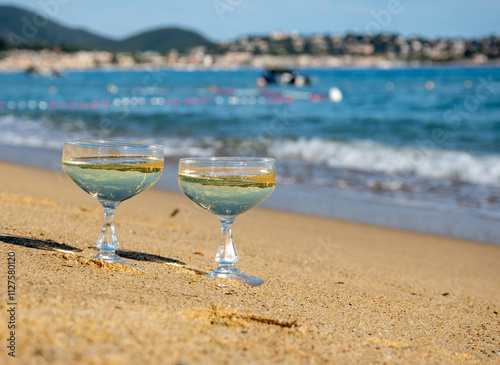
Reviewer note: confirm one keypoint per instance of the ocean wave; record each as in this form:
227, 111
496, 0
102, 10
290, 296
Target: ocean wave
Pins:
418, 160
399, 162
50, 133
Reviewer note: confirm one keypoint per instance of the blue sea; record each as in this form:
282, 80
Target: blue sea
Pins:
394, 147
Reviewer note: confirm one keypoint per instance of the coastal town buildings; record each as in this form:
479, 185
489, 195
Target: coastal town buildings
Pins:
277, 49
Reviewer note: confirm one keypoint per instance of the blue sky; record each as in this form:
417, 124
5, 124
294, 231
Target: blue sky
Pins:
228, 19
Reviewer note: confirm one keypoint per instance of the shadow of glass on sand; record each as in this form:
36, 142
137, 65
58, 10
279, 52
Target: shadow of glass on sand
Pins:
50, 245
47, 245
141, 256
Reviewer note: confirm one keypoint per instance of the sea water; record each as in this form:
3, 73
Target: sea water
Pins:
416, 138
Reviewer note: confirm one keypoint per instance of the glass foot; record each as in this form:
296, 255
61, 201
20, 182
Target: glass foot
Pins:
235, 274
114, 258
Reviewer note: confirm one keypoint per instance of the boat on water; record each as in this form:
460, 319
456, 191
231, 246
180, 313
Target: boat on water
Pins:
276, 76
43, 72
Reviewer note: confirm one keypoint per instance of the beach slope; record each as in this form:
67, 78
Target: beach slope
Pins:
334, 291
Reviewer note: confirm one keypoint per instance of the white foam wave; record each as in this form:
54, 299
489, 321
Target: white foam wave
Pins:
23, 131
42, 133
190, 146
361, 155
398, 161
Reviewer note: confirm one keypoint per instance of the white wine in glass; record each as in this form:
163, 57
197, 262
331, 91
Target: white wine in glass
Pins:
228, 187
111, 172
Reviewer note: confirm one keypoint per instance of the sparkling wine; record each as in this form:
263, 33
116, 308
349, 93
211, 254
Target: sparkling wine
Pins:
227, 195
115, 178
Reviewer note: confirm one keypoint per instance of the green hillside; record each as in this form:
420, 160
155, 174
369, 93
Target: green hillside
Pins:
22, 28
163, 40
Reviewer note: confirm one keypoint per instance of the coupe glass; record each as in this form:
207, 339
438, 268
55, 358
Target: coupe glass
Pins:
227, 187
112, 171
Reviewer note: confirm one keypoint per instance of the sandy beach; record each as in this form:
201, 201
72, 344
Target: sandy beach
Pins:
334, 291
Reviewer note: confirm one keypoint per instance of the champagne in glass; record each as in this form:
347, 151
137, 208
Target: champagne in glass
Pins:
227, 187
112, 172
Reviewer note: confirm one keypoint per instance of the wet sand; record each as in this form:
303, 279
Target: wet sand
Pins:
334, 291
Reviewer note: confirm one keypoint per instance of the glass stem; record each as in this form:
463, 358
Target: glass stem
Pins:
227, 255
108, 242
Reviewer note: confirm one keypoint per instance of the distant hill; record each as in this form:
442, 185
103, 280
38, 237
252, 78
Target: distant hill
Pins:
163, 40
19, 27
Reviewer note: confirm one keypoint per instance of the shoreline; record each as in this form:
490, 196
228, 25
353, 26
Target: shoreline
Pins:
334, 291
471, 224
195, 68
